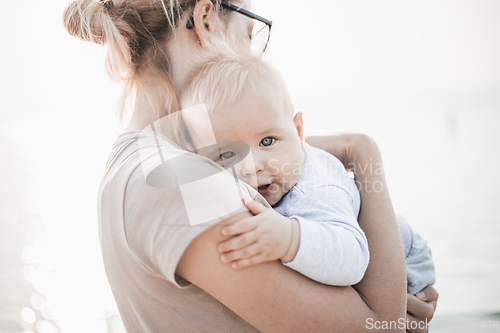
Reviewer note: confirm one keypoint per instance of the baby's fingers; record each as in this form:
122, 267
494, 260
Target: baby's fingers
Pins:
246, 252
237, 242
255, 207
245, 225
257, 259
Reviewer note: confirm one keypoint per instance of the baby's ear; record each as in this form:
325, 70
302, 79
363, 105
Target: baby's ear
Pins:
299, 125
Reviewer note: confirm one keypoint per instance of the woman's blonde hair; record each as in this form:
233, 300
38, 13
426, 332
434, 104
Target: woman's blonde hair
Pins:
134, 31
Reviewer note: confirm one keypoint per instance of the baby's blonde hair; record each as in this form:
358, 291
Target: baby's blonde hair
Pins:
226, 78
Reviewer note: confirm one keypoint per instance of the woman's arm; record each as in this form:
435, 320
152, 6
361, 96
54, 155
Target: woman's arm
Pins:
420, 307
378, 221
274, 298
270, 296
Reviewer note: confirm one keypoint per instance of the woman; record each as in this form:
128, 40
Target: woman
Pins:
165, 274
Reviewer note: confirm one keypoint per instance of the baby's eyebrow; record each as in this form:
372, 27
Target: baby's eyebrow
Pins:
274, 129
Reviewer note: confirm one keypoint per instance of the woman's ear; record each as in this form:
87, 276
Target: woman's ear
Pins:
297, 119
204, 19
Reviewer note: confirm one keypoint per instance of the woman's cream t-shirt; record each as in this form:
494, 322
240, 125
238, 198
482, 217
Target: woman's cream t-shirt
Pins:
144, 231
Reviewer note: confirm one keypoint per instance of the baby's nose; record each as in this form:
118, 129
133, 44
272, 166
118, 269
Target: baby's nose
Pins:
248, 169
247, 165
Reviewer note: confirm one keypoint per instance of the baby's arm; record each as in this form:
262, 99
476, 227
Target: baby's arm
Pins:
334, 251
333, 248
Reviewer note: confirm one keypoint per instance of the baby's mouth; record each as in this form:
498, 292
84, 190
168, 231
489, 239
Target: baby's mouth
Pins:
265, 189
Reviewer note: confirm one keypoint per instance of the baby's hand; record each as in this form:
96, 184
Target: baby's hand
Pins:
263, 237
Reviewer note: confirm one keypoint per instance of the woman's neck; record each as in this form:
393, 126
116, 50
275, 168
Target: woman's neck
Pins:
155, 97
156, 94
149, 98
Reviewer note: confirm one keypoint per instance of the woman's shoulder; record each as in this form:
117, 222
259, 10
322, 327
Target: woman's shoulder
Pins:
148, 222
137, 154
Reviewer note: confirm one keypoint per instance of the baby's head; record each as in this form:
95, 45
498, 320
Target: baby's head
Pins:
248, 103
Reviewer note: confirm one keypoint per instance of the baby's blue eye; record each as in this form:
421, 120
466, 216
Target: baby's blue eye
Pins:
227, 155
267, 141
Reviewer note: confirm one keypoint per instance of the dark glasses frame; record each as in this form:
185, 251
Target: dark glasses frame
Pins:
190, 22
247, 13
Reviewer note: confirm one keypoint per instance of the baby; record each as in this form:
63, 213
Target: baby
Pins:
248, 103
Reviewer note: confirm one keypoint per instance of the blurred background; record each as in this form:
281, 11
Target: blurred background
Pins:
421, 77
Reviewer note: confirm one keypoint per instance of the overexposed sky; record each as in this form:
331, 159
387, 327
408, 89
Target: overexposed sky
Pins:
328, 51
352, 50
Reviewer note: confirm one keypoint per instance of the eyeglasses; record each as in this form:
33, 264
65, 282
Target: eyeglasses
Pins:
261, 31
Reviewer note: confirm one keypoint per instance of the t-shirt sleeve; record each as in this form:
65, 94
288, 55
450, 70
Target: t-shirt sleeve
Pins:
333, 249
161, 222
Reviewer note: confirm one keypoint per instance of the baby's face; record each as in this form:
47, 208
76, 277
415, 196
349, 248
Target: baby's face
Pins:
274, 139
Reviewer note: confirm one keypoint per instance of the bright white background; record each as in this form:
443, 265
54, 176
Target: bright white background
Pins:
421, 77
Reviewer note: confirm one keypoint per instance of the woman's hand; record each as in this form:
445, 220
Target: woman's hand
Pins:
421, 308
263, 237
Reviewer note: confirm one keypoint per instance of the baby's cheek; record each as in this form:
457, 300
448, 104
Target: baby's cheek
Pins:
291, 174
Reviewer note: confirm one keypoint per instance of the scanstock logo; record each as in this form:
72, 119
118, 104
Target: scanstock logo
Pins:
210, 189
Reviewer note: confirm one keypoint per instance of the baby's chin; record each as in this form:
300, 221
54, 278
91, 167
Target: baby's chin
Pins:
272, 202
273, 198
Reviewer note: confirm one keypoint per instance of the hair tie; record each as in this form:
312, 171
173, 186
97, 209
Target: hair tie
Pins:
108, 4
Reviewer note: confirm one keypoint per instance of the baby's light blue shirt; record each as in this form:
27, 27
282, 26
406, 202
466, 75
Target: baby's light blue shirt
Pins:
333, 249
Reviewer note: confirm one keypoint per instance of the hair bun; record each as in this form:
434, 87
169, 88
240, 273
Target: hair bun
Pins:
86, 19
96, 21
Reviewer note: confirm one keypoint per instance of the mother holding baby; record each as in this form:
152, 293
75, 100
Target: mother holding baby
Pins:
168, 276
